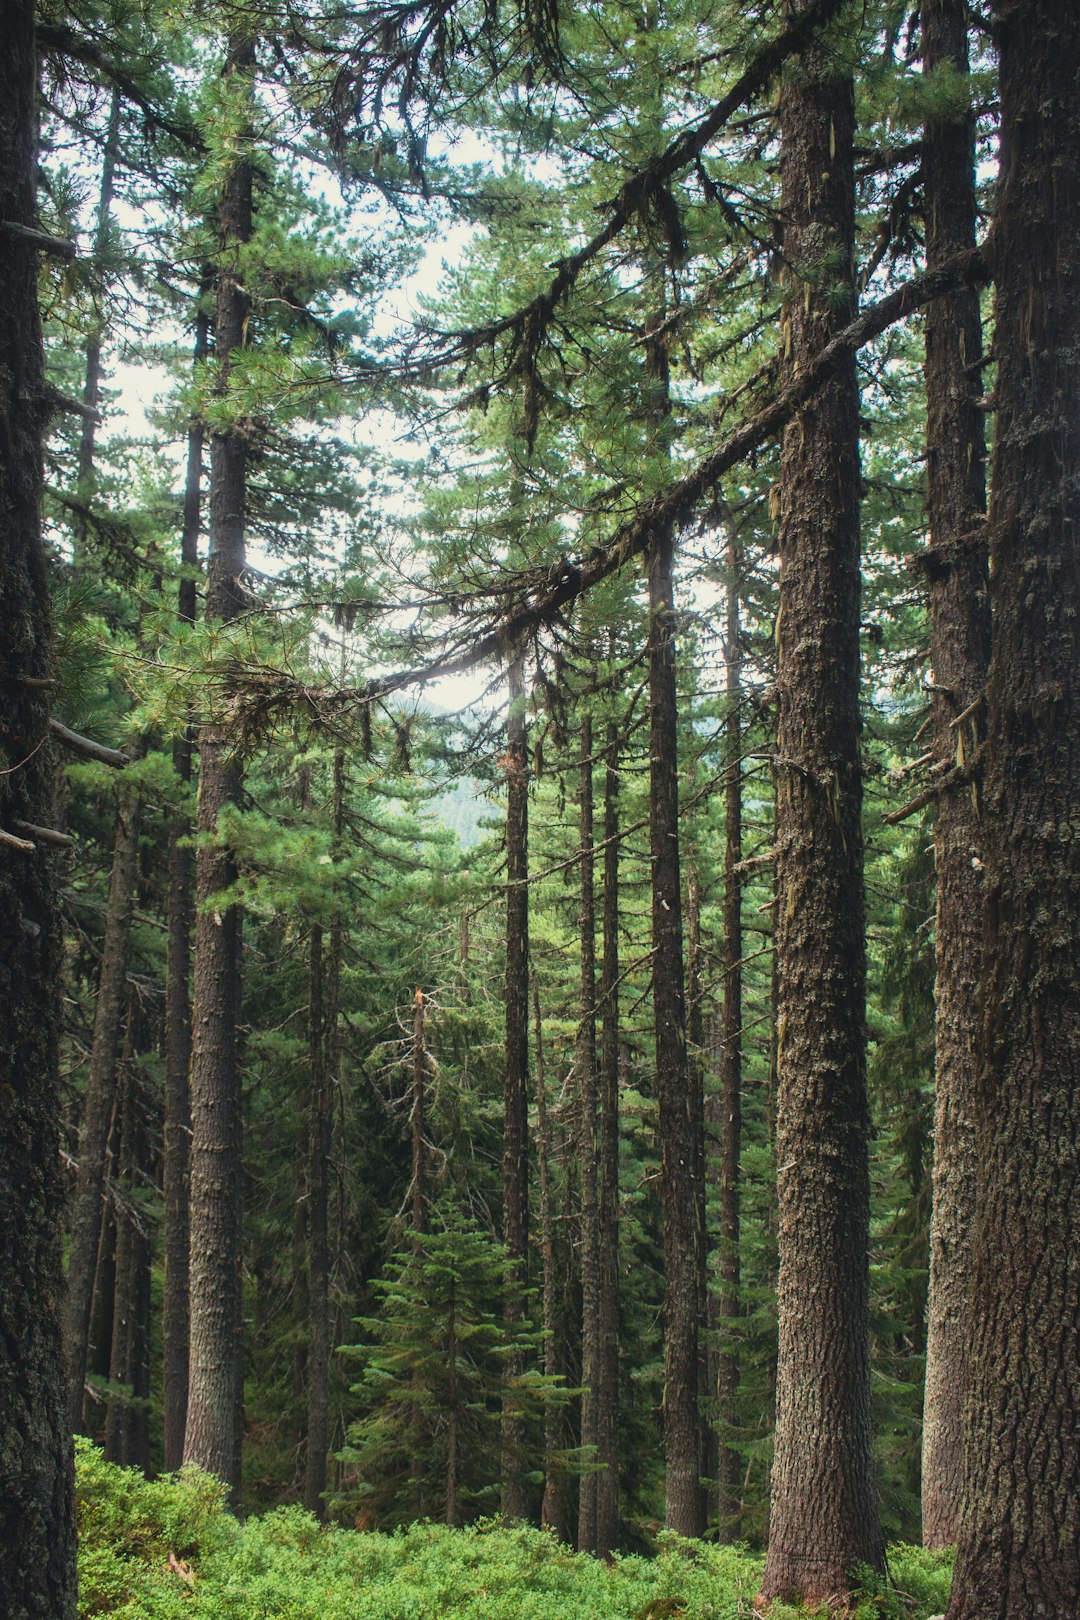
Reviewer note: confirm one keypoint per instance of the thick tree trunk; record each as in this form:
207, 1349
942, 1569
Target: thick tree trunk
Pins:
514, 1498
100, 1093
729, 1469
587, 1153
1019, 1536
959, 651
211, 1437
684, 1507
607, 1403
37, 1531
181, 921
824, 1518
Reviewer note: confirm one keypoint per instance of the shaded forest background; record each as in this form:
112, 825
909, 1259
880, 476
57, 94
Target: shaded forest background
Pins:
499, 731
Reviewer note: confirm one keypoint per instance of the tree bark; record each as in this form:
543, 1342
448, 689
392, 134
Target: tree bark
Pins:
607, 1404
553, 1514
181, 921
824, 1517
100, 1094
211, 1436
127, 1433
514, 1496
684, 1506
729, 1469
587, 1153
318, 1267
959, 652
92, 385
37, 1529
1019, 1534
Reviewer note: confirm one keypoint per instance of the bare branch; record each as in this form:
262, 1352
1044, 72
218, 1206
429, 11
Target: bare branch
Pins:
87, 747
58, 246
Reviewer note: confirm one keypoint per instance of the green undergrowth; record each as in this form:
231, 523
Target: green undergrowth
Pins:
167, 1549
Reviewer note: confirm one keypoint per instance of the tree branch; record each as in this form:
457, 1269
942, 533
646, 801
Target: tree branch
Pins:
87, 747
685, 150
58, 246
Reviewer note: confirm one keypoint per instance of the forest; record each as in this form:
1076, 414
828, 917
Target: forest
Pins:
539, 844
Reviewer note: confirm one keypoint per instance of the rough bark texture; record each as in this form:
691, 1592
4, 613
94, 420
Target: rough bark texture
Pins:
109, 1008
684, 1502
587, 1152
181, 921
514, 1496
1019, 1540
729, 1469
607, 1403
959, 651
37, 1532
824, 1517
211, 1435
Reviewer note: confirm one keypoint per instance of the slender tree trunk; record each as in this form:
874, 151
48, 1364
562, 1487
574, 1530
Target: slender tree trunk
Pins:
1019, 1534
211, 1437
418, 1118
100, 1093
824, 1518
959, 651
127, 1433
181, 921
318, 1182
587, 1154
729, 1470
696, 1070
607, 1405
37, 1530
683, 1238
84, 486
553, 1515
514, 1502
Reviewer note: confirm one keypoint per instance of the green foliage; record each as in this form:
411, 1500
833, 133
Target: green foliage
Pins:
168, 1549
434, 1380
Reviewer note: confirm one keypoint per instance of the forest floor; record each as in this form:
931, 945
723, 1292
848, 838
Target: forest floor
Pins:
167, 1549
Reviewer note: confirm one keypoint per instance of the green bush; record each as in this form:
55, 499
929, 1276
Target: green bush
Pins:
168, 1550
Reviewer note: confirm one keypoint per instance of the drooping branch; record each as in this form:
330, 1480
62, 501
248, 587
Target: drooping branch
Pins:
545, 594
530, 322
55, 40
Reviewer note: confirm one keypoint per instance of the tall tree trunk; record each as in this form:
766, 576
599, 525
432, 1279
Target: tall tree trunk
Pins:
729, 1469
587, 1153
181, 920
683, 1239
318, 1185
959, 651
514, 1497
824, 1518
418, 1118
100, 1093
84, 487
37, 1530
211, 1437
1019, 1535
607, 1404
127, 1434
553, 1514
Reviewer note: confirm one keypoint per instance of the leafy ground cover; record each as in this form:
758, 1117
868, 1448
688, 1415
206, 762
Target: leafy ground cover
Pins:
167, 1549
